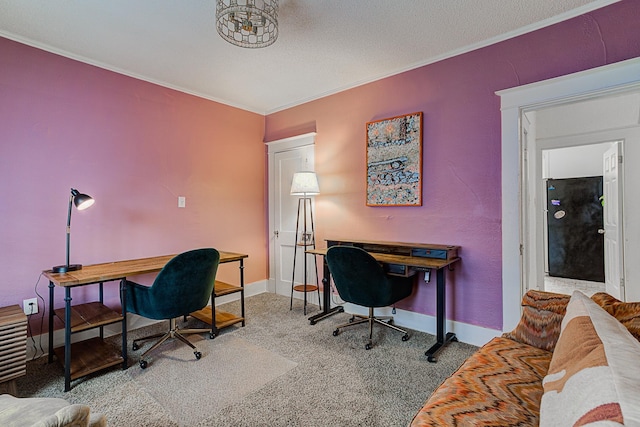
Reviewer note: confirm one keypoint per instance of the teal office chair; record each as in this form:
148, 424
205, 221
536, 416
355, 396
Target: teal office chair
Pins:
360, 280
183, 286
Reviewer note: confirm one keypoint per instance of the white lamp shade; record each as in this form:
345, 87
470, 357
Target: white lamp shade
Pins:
304, 183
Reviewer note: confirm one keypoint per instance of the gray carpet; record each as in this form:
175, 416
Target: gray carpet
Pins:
295, 375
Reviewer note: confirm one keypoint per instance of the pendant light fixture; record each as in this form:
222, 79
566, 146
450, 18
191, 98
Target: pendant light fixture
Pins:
247, 23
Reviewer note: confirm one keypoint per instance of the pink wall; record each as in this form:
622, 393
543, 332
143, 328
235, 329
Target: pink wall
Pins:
133, 146
461, 137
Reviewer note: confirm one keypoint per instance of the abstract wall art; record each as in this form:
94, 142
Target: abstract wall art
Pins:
394, 161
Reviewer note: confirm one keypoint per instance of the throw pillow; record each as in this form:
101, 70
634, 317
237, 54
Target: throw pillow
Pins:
542, 315
594, 375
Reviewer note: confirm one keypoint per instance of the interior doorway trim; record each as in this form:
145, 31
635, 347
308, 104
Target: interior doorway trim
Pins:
273, 147
619, 77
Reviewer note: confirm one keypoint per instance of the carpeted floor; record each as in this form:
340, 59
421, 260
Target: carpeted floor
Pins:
276, 371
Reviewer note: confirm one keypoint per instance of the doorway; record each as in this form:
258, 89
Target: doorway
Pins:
571, 140
521, 245
285, 157
573, 221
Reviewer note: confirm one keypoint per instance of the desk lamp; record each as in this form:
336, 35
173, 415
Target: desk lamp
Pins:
82, 202
304, 184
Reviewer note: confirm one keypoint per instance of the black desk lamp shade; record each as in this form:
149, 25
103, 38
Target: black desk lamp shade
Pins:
82, 202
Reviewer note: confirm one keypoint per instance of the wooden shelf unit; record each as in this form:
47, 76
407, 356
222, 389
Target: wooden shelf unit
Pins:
222, 318
94, 354
13, 345
90, 356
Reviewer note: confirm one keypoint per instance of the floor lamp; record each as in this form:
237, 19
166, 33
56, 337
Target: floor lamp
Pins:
304, 184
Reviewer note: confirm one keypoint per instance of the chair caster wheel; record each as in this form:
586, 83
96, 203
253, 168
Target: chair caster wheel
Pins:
390, 322
368, 346
135, 346
198, 354
405, 337
312, 322
352, 319
336, 332
143, 364
212, 335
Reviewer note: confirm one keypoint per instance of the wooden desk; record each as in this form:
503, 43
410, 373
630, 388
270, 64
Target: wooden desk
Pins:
94, 354
403, 259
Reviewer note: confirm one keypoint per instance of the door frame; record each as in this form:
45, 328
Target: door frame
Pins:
619, 77
273, 147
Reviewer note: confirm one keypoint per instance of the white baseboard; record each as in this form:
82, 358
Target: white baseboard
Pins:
133, 322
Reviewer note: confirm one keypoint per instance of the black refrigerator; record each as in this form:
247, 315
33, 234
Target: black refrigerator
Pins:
575, 228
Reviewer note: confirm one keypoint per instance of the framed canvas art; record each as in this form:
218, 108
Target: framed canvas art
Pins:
394, 161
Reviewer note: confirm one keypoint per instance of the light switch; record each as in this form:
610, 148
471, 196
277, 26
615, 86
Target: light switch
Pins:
182, 201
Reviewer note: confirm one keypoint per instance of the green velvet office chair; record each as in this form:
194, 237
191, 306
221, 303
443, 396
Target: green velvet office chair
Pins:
183, 286
360, 280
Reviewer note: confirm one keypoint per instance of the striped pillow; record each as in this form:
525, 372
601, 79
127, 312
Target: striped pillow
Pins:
541, 318
594, 375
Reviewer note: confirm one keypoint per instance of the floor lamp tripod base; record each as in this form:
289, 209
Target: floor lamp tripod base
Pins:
66, 268
304, 240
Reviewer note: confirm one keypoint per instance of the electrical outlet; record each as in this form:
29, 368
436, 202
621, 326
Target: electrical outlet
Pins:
182, 201
30, 306
427, 276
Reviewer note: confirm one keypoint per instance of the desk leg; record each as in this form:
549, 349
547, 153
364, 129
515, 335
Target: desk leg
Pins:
123, 304
442, 337
242, 291
101, 299
326, 296
51, 288
214, 329
67, 338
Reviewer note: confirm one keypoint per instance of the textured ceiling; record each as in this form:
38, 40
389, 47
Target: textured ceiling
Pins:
323, 46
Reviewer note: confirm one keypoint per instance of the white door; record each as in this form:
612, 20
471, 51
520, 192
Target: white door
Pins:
531, 276
283, 211
612, 189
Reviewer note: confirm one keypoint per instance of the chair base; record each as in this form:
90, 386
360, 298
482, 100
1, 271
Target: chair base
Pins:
371, 319
174, 332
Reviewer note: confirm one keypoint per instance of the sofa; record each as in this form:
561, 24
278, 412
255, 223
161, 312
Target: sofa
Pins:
46, 412
570, 361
